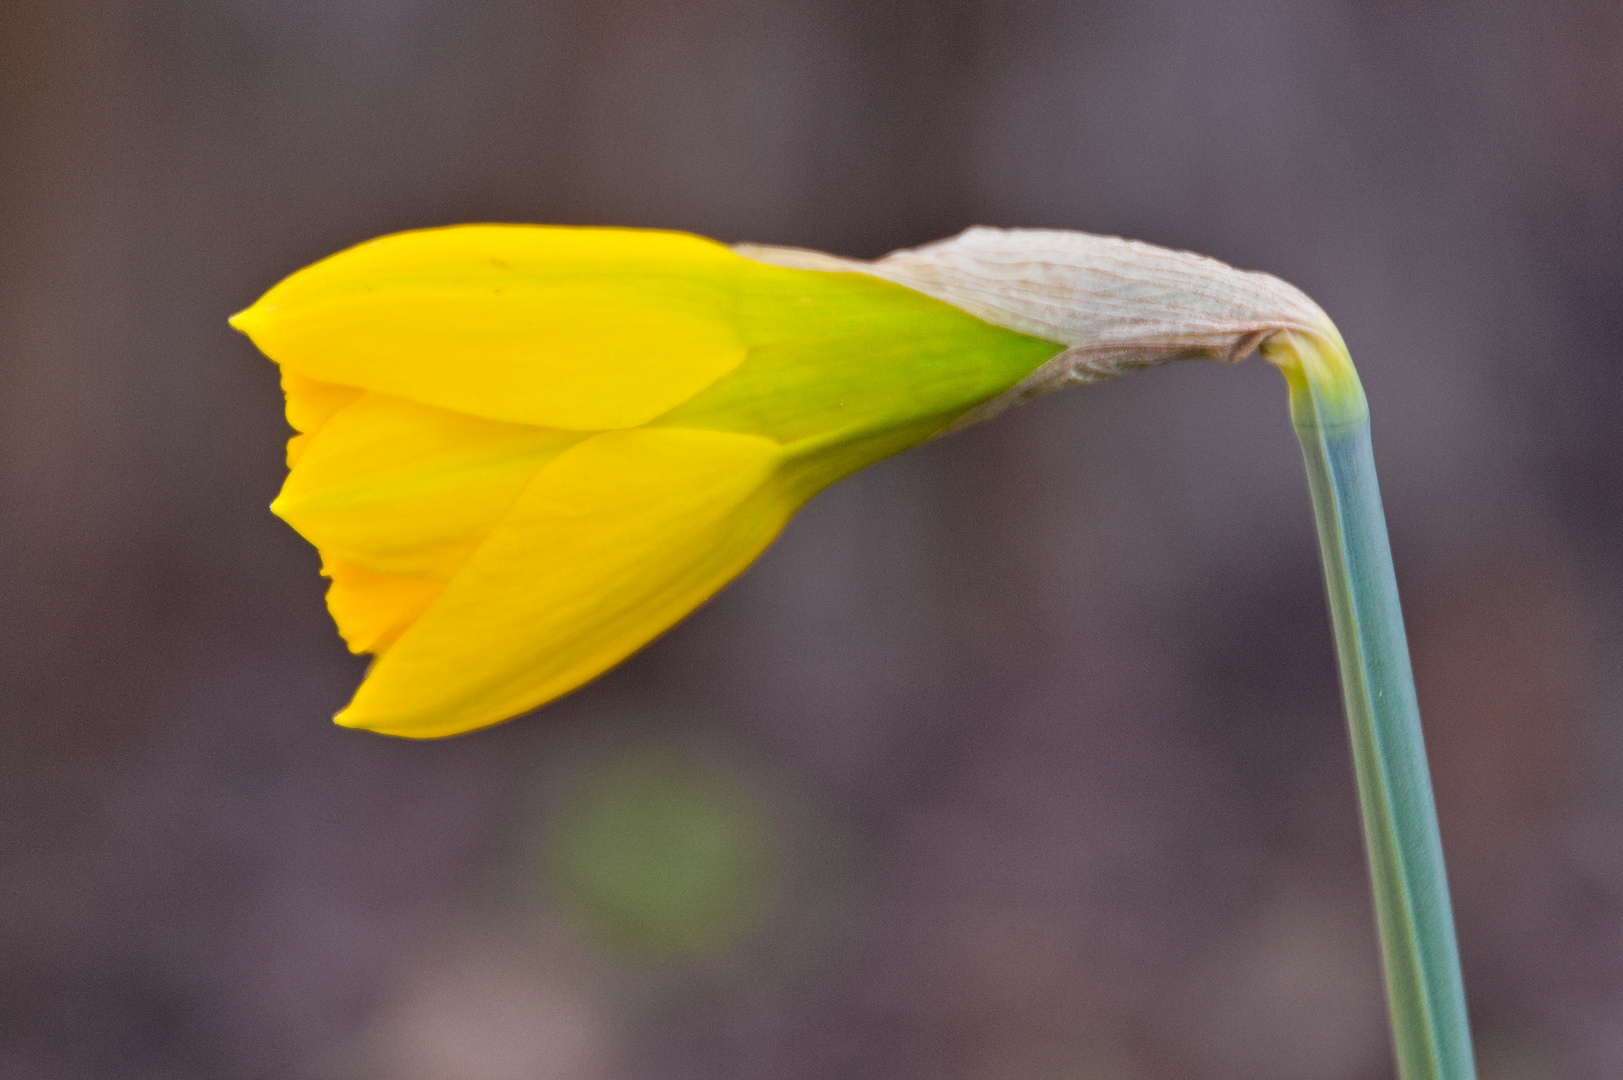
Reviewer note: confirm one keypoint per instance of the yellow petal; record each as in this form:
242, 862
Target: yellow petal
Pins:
410, 490
615, 539
561, 327
295, 448
372, 610
311, 403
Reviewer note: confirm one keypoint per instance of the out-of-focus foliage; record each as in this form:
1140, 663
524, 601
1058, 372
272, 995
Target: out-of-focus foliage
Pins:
656, 856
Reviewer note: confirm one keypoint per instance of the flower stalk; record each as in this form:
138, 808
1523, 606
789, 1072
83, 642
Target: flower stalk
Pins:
1426, 997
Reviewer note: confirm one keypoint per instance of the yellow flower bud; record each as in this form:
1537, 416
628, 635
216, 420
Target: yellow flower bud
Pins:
524, 451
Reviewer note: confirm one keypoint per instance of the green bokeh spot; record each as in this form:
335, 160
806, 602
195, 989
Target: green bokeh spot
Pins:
658, 857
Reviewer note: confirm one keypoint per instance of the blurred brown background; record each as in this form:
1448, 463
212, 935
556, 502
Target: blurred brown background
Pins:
1042, 716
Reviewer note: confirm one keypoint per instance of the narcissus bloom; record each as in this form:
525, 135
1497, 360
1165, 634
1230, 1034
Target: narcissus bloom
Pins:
524, 451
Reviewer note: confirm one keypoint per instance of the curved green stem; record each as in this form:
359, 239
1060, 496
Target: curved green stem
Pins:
1430, 1032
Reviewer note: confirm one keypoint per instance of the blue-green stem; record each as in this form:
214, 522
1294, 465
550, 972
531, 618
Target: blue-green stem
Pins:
1430, 1032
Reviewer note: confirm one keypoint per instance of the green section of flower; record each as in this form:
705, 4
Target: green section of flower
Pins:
842, 356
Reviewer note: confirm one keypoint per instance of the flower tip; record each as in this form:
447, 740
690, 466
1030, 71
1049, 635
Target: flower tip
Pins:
344, 718
248, 320
347, 717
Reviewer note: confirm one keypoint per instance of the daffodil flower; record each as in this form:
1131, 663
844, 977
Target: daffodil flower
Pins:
524, 451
